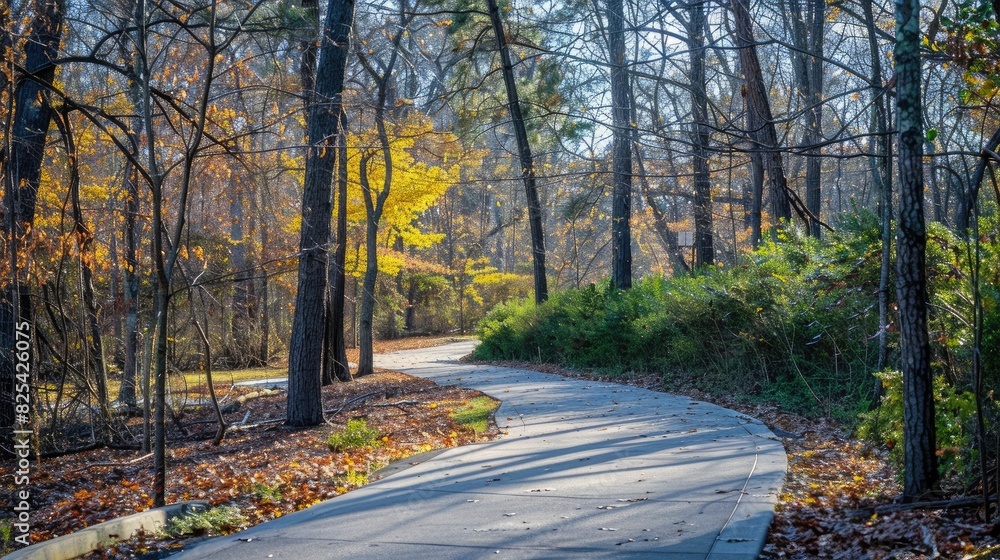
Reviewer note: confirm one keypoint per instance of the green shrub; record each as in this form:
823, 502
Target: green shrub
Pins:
6, 536
356, 435
954, 415
505, 331
266, 493
792, 322
214, 521
355, 478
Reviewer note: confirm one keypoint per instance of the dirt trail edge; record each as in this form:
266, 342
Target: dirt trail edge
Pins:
585, 469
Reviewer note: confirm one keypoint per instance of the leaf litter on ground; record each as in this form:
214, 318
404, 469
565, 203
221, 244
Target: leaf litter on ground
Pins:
263, 472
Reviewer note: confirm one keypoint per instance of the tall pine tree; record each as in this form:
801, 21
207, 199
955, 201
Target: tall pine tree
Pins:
305, 363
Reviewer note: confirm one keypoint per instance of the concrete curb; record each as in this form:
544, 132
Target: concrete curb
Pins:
104, 534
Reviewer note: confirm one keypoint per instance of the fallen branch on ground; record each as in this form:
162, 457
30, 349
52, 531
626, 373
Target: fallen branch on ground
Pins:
113, 463
400, 403
350, 402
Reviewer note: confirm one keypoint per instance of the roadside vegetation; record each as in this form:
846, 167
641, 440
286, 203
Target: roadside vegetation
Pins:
793, 323
793, 327
262, 469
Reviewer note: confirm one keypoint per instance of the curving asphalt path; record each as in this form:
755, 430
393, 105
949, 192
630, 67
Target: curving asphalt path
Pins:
584, 470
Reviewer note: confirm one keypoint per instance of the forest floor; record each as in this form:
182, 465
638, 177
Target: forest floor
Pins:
829, 507
262, 470
840, 493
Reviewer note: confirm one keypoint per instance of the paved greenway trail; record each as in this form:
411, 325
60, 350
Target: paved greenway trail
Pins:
585, 470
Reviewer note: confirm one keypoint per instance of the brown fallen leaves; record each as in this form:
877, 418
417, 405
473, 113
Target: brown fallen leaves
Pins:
265, 471
832, 486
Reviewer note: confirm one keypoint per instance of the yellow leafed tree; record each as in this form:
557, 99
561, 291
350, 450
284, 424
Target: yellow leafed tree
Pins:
417, 184
395, 173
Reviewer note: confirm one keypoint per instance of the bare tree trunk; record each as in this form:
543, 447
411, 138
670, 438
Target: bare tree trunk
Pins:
167, 245
700, 134
159, 378
244, 320
307, 74
114, 293
25, 152
335, 366
156, 345
310, 48
127, 390
760, 122
920, 479
807, 34
85, 245
146, 382
375, 201
130, 233
524, 151
814, 186
621, 212
373, 207
207, 349
341, 369
756, 198
881, 164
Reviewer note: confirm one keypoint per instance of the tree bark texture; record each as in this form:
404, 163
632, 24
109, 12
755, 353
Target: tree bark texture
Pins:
621, 211
29, 125
807, 34
305, 361
756, 198
166, 249
307, 66
130, 234
700, 135
127, 390
373, 207
920, 478
524, 152
335, 366
159, 380
759, 120
341, 369
881, 164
